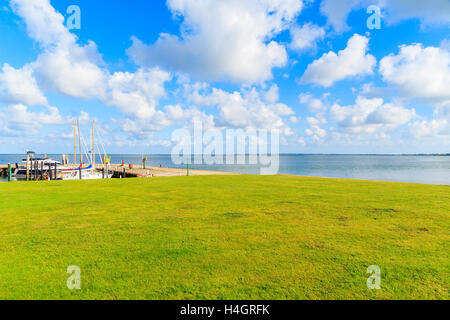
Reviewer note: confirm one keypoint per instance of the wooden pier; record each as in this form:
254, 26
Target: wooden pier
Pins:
4, 169
138, 171
149, 171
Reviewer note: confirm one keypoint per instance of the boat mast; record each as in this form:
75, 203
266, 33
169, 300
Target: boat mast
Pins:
74, 144
93, 146
79, 143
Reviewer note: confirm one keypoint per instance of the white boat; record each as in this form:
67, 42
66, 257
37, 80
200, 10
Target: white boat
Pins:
38, 169
91, 171
86, 174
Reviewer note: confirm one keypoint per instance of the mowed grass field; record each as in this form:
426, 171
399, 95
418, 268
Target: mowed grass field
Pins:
224, 237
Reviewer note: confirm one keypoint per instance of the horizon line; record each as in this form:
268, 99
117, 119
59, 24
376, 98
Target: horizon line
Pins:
247, 154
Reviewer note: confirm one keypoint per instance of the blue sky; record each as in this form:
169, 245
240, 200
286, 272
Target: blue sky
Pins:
312, 70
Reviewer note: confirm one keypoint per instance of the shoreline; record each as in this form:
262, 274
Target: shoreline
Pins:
163, 171
156, 172
138, 170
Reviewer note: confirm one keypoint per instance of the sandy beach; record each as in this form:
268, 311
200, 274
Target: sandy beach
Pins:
162, 171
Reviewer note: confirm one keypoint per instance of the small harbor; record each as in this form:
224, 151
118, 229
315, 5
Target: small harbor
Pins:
126, 170
86, 164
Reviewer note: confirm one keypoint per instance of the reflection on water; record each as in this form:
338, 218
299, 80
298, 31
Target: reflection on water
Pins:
420, 169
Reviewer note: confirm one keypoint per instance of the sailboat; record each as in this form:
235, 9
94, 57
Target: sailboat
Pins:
88, 171
44, 168
37, 168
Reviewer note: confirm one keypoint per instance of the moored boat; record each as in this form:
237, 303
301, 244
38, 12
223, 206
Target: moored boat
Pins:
44, 168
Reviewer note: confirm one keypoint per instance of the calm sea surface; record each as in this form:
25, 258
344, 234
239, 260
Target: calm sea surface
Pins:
404, 168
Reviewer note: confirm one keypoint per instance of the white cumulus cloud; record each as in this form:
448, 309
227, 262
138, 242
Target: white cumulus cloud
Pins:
419, 72
370, 115
18, 120
249, 109
350, 62
219, 40
436, 128
430, 128
19, 86
78, 70
337, 12
306, 36
64, 65
138, 93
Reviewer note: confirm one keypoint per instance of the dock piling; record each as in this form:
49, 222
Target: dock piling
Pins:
28, 167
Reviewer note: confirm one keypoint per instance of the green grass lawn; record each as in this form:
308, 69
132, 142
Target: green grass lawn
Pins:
224, 237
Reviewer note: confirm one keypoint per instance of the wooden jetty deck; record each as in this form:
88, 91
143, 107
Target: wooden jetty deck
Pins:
3, 170
138, 170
